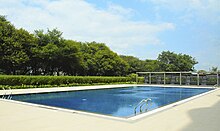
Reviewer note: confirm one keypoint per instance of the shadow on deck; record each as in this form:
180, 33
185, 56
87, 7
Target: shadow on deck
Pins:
205, 119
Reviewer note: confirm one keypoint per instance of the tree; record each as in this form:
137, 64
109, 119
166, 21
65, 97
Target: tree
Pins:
152, 66
99, 60
70, 59
137, 65
15, 47
170, 61
214, 70
134, 63
46, 53
55, 54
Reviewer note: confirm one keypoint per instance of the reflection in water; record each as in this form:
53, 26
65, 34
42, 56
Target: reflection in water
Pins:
116, 102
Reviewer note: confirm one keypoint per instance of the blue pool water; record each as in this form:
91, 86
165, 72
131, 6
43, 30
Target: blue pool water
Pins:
119, 102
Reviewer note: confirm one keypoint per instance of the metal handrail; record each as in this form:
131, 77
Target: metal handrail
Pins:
141, 104
9, 97
3, 96
216, 85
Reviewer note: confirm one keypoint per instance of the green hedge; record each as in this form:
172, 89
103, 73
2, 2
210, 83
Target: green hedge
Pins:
51, 81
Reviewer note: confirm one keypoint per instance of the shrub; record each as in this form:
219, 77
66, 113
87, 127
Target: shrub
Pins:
49, 81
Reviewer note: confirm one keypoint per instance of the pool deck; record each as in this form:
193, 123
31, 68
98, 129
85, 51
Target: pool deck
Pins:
200, 114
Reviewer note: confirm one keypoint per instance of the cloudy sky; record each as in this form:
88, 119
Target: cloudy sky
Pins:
142, 28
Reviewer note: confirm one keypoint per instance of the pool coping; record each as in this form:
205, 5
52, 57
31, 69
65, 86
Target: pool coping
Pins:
124, 119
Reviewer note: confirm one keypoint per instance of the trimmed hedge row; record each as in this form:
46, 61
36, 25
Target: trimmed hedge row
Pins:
39, 81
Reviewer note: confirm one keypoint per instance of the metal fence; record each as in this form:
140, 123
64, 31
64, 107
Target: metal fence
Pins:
180, 78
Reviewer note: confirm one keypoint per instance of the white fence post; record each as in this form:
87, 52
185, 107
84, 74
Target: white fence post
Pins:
197, 78
164, 75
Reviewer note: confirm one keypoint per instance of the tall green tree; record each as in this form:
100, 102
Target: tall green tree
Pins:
15, 48
55, 54
134, 63
70, 58
152, 66
170, 61
100, 60
214, 69
45, 59
137, 65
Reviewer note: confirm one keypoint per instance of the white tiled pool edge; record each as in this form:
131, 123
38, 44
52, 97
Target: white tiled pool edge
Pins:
171, 105
77, 88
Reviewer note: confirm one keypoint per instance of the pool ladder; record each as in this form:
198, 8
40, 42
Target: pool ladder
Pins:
141, 104
216, 85
7, 96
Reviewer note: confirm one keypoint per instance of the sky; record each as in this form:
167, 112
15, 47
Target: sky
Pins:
141, 28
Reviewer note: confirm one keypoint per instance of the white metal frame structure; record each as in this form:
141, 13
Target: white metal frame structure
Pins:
197, 74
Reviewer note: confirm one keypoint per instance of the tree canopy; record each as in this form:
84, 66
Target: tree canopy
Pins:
170, 61
98, 60
15, 47
48, 53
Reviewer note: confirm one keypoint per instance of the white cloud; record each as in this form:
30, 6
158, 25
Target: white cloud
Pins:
82, 21
207, 10
116, 9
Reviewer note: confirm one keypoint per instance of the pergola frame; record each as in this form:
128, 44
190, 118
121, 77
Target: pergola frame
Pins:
180, 76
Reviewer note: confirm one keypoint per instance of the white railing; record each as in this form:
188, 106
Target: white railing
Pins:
141, 104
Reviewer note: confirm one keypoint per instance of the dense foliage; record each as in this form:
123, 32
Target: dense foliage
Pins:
48, 53
170, 61
137, 65
13, 81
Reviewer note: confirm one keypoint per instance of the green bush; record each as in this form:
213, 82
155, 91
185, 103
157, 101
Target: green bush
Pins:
50, 81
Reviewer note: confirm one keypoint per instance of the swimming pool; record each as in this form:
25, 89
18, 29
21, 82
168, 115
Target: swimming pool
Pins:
118, 102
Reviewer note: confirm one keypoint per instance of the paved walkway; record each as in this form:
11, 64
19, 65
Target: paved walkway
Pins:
201, 114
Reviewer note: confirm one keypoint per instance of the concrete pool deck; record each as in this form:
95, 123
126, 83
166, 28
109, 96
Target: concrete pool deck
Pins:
200, 114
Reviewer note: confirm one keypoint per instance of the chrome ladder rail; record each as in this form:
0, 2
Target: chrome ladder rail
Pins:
216, 85
10, 95
141, 104
5, 96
